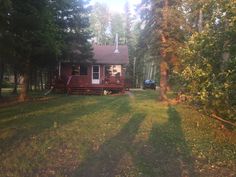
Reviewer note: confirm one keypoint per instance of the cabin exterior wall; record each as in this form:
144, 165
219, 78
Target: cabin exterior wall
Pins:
72, 77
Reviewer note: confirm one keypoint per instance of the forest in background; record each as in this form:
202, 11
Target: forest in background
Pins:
184, 45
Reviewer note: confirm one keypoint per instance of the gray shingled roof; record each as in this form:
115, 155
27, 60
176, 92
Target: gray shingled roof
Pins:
105, 54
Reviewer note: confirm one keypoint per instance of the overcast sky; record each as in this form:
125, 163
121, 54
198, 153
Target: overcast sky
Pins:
118, 5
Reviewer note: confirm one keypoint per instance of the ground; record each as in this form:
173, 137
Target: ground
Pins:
112, 136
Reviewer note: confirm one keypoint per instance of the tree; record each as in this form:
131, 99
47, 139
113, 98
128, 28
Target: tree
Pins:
40, 33
100, 17
164, 32
105, 25
128, 24
118, 27
209, 68
4, 34
130, 42
31, 26
72, 19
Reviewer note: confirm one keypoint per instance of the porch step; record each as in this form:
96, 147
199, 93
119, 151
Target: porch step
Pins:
85, 91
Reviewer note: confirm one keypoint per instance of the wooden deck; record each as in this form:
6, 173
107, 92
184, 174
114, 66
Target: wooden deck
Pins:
82, 86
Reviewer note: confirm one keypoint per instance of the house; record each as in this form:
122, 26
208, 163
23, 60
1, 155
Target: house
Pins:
106, 74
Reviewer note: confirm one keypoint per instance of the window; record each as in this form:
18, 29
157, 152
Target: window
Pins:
113, 70
83, 70
95, 72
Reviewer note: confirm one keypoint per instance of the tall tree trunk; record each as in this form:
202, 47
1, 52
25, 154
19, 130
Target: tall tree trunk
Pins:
163, 80
24, 90
14, 91
25, 86
41, 80
50, 78
35, 81
1, 76
134, 73
165, 14
31, 83
46, 80
200, 20
163, 63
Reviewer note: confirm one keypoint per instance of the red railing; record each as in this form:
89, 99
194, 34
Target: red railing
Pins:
114, 80
85, 81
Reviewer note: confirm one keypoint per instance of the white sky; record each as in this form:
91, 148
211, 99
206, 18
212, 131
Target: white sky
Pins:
118, 5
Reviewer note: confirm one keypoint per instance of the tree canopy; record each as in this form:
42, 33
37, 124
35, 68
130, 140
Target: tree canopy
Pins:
35, 35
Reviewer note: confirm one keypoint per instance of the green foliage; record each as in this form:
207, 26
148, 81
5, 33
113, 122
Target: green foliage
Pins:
99, 19
40, 33
72, 21
105, 25
35, 35
118, 26
209, 65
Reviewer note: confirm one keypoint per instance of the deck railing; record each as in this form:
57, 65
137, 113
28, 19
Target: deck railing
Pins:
78, 82
114, 80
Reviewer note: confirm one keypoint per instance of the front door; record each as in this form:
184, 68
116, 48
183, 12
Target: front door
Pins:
95, 74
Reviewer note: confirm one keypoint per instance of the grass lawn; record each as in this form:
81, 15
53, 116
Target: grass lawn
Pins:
112, 136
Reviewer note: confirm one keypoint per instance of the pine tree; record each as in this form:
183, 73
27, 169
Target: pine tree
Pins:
163, 30
31, 29
72, 18
39, 33
4, 37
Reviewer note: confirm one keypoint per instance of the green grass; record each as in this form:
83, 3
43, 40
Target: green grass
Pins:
112, 136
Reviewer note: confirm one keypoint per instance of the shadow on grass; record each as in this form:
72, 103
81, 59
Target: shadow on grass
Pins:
122, 107
104, 162
36, 118
166, 154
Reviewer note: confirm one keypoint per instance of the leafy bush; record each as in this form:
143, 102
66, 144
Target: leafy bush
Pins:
209, 71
